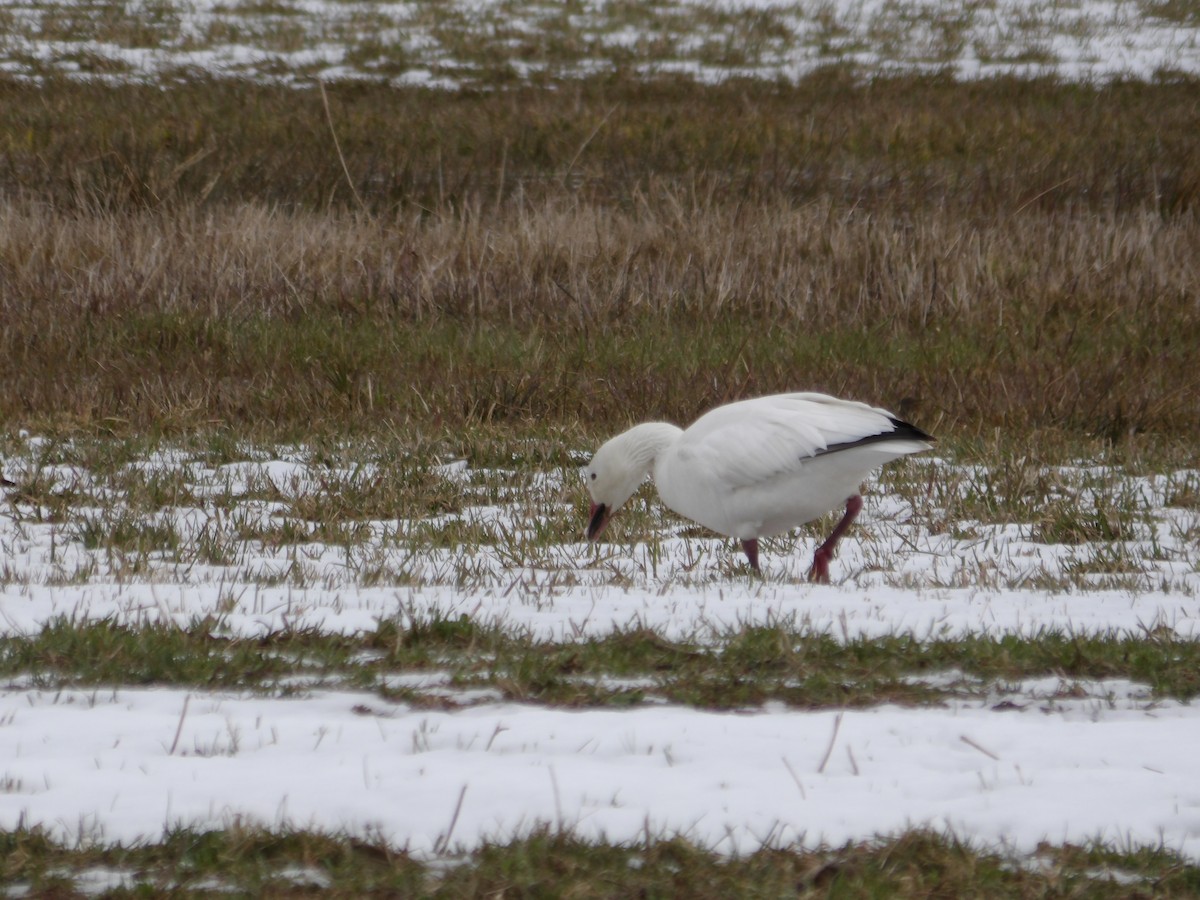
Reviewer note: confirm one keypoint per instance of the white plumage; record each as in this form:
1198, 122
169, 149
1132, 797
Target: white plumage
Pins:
755, 468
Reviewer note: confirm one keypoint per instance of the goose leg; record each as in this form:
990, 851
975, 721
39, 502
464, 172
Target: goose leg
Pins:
820, 567
750, 547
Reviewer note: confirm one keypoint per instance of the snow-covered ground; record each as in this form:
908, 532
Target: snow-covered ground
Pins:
1050, 762
461, 41
1116, 768
123, 763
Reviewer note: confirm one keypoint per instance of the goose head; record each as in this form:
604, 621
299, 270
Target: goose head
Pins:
612, 477
618, 469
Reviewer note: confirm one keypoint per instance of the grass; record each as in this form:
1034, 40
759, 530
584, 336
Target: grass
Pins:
246, 353
285, 863
738, 669
482, 510
523, 257
451, 43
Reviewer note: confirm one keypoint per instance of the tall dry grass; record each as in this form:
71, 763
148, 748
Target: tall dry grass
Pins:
599, 254
575, 262
569, 308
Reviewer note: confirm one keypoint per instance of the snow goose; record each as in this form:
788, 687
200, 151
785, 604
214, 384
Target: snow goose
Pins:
755, 468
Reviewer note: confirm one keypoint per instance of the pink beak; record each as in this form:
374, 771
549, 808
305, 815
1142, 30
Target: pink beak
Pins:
598, 517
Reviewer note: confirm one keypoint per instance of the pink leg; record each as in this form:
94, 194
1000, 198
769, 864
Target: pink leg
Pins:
820, 567
750, 547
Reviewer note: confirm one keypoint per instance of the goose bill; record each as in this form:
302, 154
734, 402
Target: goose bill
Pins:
598, 520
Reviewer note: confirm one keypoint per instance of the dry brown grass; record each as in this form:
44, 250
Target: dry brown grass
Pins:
560, 309
564, 260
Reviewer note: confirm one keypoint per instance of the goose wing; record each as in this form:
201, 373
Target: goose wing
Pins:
755, 441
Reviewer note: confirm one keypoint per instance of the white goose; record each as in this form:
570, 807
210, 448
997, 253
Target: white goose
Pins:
755, 468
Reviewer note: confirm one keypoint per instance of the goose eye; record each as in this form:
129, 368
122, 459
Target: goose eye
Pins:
592, 475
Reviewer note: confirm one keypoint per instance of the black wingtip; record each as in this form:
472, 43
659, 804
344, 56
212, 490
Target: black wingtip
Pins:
901, 431
907, 431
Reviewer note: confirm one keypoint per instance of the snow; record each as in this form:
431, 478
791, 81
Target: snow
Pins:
99, 765
1039, 761
412, 43
123, 764
678, 613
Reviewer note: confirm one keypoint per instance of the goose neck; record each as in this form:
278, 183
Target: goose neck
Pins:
648, 440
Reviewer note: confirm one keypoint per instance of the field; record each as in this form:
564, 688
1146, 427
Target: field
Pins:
299, 375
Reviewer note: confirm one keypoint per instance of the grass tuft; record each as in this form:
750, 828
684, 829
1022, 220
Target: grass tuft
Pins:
922, 863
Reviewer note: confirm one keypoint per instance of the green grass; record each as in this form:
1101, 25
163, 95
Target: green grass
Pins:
742, 668
249, 861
